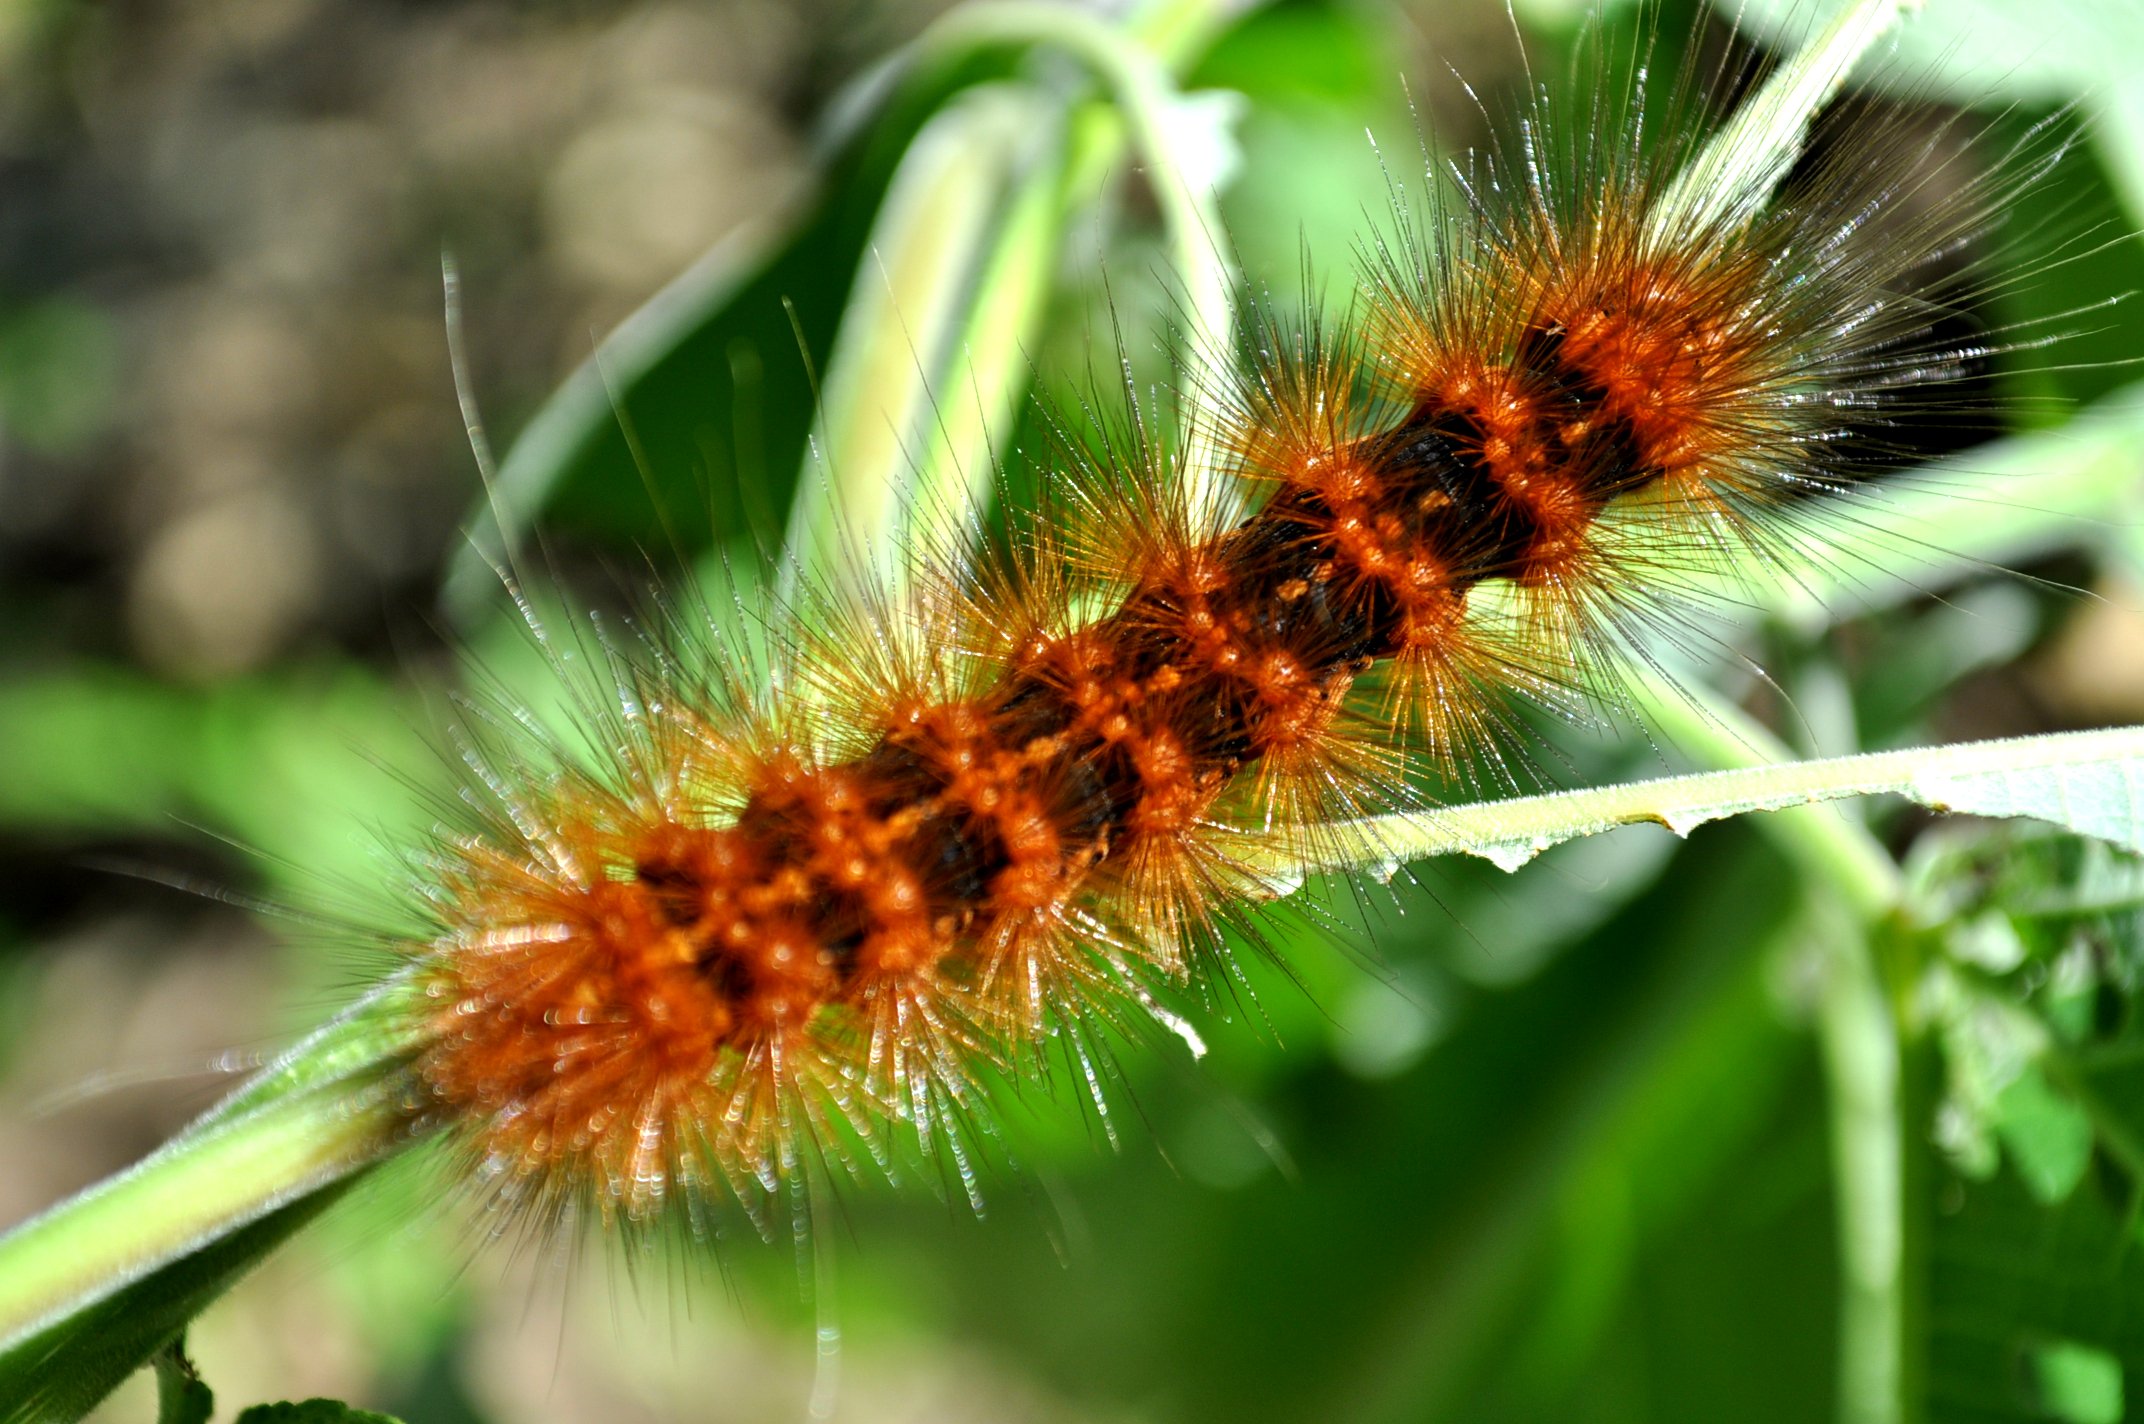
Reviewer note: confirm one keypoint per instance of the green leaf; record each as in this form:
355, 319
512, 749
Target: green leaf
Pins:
2089, 782
2048, 1136
313, 1411
1727, 182
706, 390
2031, 1310
2036, 999
2033, 1279
1988, 51
182, 1396
2071, 486
2077, 1383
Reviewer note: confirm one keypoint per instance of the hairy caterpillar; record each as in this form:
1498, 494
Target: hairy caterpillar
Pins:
779, 912
735, 930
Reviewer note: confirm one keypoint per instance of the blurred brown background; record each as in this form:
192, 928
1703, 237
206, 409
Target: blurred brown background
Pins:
230, 422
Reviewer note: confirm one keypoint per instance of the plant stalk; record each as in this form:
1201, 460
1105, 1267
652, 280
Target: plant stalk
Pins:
201, 1186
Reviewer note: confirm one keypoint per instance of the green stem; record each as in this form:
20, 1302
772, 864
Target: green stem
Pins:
202, 1186
1859, 1037
1140, 84
92, 1288
908, 306
1133, 61
1858, 1034
928, 362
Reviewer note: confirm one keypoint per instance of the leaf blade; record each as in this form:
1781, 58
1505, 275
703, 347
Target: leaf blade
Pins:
2091, 782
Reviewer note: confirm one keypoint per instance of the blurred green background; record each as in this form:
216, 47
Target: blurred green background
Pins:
1543, 1145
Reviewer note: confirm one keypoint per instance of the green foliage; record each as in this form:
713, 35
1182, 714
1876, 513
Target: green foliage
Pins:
183, 1397
2035, 1276
323, 1411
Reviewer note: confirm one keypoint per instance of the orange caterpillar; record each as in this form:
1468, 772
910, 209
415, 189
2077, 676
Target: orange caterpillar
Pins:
766, 920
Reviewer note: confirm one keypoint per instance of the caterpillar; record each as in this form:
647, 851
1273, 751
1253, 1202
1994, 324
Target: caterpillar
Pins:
786, 909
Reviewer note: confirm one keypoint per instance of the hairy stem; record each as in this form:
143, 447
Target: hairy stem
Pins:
92, 1287
199, 1187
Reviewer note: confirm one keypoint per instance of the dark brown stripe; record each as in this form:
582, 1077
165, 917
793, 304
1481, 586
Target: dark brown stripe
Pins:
1284, 589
